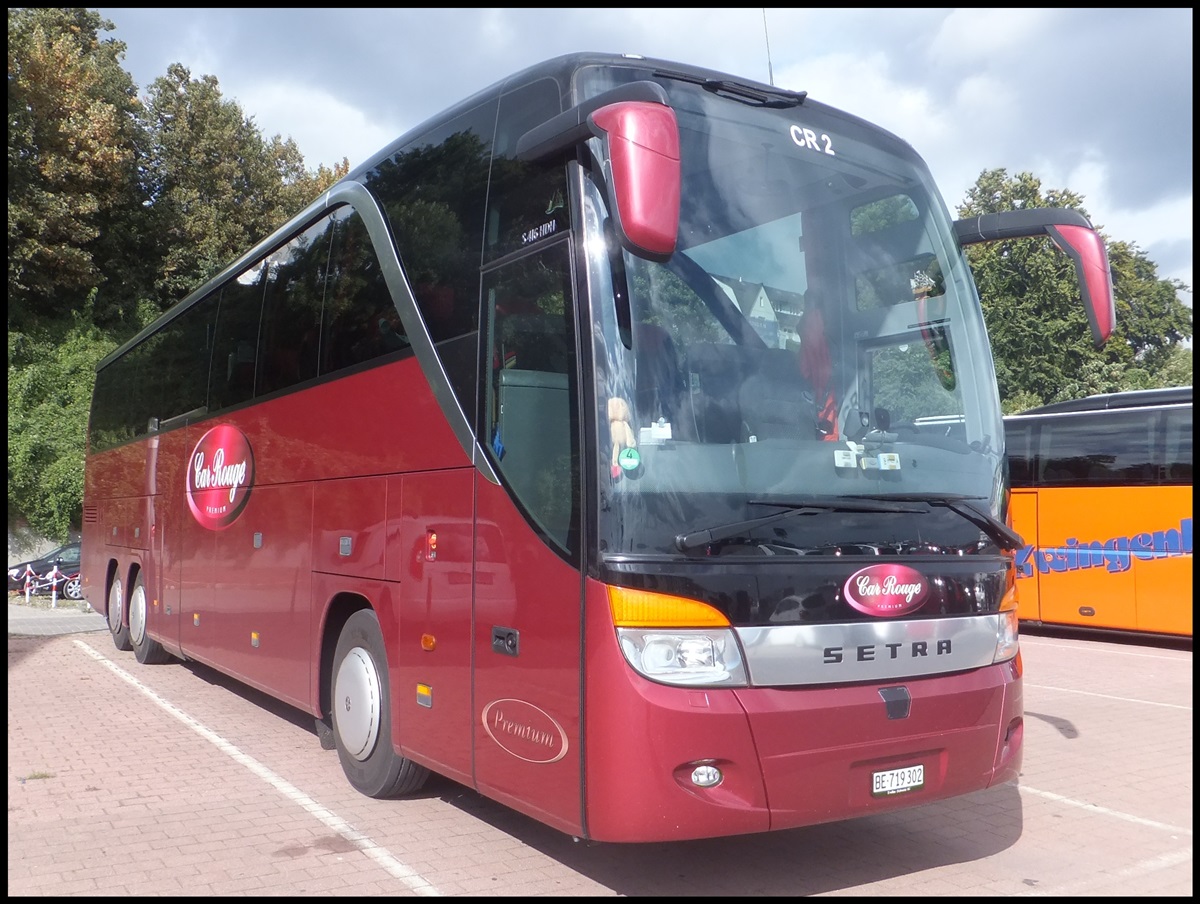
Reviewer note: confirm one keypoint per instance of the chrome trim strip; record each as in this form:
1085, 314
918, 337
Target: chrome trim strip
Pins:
793, 655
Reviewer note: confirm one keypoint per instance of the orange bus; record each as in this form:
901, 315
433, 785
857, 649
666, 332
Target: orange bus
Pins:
622, 443
1102, 494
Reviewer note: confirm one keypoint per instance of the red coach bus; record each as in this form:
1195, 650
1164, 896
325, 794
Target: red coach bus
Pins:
623, 443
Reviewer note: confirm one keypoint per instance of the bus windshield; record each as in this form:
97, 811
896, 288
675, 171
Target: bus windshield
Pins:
815, 334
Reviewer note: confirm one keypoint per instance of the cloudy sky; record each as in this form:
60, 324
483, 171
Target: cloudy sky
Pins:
1097, 101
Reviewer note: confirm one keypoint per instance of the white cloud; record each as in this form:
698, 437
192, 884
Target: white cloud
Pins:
324, 127
1095, 101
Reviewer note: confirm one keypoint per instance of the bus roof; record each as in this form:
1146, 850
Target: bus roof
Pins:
1135, 398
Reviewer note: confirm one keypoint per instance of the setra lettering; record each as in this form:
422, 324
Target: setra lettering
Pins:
916, 649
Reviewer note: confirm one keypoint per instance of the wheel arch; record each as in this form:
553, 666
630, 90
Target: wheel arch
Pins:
337, 613
127, 573
111, 574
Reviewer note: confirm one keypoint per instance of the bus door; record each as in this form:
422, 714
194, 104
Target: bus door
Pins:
432, 683
528, 615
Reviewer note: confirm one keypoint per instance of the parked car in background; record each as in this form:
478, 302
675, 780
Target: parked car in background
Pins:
65, 557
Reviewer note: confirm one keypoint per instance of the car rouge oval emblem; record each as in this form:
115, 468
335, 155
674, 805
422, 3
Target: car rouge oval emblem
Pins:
525, 731
220, 476
886, 590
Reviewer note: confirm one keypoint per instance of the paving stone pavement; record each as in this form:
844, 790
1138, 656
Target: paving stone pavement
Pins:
43, 621
132, 780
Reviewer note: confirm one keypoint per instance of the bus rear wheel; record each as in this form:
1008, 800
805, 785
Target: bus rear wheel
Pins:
147, 650
116, 626
361, 706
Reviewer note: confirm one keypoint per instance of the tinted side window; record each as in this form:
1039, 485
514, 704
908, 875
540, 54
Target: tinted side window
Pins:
235, 349
291, 323
184, 358
164, 376
433, 193
1178, 445
527, 202
359, 322
109, 424
1017, 441
1110, 447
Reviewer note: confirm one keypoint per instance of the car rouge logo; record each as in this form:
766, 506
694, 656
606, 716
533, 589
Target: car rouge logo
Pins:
886, 590
220, 476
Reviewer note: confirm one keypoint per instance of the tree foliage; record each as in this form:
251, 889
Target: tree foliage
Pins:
217, 185
74, 145
118, 206
49, 392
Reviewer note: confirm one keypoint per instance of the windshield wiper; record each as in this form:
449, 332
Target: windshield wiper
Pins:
746, 94
795, 506
1003, 535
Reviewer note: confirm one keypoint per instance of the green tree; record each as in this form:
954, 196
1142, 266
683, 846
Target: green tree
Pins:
117, 209
218, 186
1037, 322
74, 146
1178, 369
49, 392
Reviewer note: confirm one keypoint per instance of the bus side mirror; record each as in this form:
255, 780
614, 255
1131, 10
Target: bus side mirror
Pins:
1074, 235
640, 138
641, 154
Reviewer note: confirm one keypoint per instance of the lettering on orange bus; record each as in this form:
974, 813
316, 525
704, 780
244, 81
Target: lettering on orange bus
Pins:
1116, 554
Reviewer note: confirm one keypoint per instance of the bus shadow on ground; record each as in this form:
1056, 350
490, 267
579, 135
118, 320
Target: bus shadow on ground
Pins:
807, 861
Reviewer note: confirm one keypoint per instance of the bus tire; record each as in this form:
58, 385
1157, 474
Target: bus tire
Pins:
362, 716
147, 650
116, 605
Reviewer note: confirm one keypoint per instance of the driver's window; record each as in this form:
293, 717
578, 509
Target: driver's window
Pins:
531, 419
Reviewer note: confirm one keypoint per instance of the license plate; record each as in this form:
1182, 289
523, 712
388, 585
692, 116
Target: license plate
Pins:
897, 781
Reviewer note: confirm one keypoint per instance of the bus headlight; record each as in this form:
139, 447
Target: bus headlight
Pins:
1007, 644
697, 657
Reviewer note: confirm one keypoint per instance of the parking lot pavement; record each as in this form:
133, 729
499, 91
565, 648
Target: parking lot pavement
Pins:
126, 779
43, 621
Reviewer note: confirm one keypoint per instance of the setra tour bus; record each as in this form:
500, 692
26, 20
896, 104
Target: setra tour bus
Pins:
577, 447
1102, 494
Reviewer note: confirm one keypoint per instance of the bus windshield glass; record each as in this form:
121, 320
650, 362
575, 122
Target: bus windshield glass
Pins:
815, 334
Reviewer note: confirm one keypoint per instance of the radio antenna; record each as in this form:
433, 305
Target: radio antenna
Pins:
770, 71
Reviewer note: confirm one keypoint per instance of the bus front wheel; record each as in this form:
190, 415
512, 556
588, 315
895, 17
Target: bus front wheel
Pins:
361, 706
116, 626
